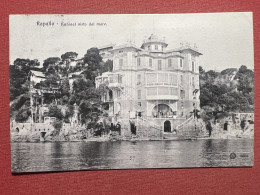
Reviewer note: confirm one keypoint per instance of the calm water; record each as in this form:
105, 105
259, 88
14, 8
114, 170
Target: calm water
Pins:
60, 156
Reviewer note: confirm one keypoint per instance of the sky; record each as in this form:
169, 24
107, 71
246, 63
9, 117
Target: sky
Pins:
224, 39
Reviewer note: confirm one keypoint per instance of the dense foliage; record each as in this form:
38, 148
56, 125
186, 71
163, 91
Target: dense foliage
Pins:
82, 94
231, 90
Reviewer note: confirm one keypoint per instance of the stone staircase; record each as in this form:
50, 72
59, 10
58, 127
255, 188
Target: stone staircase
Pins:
138, 108
189, 129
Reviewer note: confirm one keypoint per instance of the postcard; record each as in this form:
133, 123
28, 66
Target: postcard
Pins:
131, 91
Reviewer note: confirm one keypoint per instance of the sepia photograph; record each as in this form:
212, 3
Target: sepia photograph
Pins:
131, 91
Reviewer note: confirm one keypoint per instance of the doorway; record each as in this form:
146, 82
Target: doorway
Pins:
133, 128
167, 126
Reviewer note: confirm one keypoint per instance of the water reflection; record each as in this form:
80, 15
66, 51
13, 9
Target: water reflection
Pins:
59, 156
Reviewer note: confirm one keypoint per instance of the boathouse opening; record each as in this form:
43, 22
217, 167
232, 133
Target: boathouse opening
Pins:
167, 126
225, 126
133, 128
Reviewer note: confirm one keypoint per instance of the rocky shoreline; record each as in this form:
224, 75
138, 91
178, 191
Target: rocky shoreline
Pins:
18, 137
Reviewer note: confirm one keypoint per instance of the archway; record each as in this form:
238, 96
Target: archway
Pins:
225, 126
167, 126
162, 111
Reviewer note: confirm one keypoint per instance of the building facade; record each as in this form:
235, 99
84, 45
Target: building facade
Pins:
152, 82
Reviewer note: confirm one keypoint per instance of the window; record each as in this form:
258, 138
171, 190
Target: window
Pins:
156, 47
139, 94
120, 51
182, 94
181, 80
173, 79
120, 63
151, 62
149, 48
169, 62
163, 78
159, 64
193, 66
138, 79
181, 63
139, 104
193, 83
138, 62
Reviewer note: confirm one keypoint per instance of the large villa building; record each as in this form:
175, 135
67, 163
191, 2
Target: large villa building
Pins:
151, 83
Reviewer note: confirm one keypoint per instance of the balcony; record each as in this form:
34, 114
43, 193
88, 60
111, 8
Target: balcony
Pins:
161, 83
162, 97
162, 93
115, 80
161, 79
115, 85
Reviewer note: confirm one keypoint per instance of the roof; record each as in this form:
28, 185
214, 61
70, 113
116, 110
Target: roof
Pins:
187, 47
126, 45
154, 39
106, 46
37, 73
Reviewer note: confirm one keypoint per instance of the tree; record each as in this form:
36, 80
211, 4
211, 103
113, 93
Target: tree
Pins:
54, 111
88, 98
106, 66
235, 95
50, 65
26, 65
245, 80
65, 91
23, 115
93, 61
68, 56
52, 80
57, 124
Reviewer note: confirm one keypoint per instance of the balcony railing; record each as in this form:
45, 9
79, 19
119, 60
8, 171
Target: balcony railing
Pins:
115, 85
162, 97
162, 83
